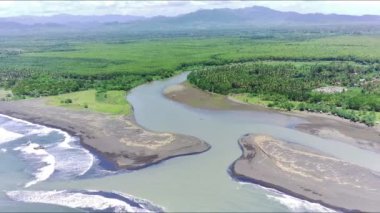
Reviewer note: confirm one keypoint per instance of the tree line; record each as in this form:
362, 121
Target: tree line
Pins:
36, 83
285, 84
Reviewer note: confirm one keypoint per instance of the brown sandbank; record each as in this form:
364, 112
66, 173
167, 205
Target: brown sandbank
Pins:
335, 128
118, 138
192, 96
307, 174
321, 125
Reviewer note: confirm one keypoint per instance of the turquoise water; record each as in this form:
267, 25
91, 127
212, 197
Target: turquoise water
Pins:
199, 182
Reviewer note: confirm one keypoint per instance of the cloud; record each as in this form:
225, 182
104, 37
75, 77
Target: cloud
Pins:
172, 8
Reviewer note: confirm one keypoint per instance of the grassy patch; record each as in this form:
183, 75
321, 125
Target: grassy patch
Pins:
378, 117
249, 99
5, 94
110, 102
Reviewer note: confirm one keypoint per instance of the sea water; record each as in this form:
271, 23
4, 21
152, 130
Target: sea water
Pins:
31, 154
65, 175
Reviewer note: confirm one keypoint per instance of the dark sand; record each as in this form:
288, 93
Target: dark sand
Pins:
192, 96
321, 125
307, 174
118, 138
335, 128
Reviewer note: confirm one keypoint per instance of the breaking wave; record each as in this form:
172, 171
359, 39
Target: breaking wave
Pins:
33, 150
298, 205
292, 203
87, 200
48, 152
7, 136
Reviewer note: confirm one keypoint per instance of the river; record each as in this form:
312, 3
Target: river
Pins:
201, 182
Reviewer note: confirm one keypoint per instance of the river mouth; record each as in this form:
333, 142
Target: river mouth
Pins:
201, 183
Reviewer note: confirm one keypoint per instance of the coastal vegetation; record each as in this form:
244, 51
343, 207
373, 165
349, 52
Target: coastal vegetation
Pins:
58, 66
292, 86
278, 67
74, 73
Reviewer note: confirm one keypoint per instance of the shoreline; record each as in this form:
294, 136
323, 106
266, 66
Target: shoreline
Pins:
241, 178
103, 159
321, 125
249, 157
117, 141
244, 179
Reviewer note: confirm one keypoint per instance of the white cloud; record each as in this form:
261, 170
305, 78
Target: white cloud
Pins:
172, 8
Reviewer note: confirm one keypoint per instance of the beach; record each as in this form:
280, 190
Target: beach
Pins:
195, 178
306, 173
116, 138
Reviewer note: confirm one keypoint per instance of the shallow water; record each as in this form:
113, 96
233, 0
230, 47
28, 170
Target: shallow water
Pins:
201, 182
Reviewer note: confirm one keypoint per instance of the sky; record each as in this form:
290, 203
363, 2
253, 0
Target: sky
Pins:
173, 8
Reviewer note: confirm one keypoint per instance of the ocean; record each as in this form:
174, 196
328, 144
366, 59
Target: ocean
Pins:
31, 154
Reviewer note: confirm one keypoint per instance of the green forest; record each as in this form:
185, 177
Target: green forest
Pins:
282, 65
292, 86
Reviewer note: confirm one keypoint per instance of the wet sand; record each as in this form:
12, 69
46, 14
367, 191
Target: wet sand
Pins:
307, 174
335, 128
117, 138
321, 125
192, 96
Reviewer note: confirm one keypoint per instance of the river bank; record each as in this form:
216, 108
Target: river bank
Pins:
117, 138
197, 178
300, 171
321, 125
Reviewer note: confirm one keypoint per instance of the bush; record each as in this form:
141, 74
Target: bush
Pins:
369, 119
301, 107
68, 101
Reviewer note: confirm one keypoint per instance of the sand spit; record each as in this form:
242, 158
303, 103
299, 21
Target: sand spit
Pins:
118, 138
190, 95
307, 174
321, 125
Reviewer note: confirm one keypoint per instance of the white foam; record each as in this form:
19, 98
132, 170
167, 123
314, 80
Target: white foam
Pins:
298, 205
292, 203
68, 142
3, 150
41, 131
70, 166
79, 200
6, 136
87, 160
18, 120
44, 172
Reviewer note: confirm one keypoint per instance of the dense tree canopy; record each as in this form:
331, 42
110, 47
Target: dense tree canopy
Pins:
284, 83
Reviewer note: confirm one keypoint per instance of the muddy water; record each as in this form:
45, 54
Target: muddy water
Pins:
201, 182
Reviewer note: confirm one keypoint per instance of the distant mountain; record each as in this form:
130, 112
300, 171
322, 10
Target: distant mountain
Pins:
251, 16
64, 19
265, 15
201, 19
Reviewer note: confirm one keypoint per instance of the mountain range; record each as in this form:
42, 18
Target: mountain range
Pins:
213, 18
